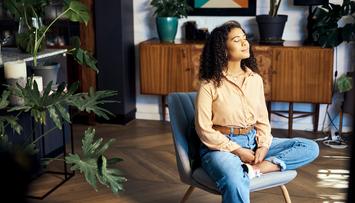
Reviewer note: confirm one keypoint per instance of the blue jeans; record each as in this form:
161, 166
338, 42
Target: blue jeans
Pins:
226, 169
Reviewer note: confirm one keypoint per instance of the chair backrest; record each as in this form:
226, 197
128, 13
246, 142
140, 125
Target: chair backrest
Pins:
181, 112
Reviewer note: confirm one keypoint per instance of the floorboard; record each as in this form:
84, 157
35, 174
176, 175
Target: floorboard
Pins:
150, 167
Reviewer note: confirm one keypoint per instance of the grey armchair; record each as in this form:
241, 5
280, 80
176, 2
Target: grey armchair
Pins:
181, 111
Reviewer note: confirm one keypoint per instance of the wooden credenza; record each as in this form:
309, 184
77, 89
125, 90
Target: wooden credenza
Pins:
291, 72
166, 67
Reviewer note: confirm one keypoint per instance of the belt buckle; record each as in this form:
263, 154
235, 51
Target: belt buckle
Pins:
231, 130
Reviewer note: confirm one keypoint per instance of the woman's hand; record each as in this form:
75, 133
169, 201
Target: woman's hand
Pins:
260, 154
246, 155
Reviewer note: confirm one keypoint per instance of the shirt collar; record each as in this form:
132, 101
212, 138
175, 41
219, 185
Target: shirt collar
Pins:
247, 70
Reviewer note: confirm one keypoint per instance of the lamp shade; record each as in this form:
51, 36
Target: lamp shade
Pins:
309, 2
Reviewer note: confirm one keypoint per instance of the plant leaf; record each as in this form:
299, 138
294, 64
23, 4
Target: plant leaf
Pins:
344, 83
82, 56
85, 58
86, 166
77, 11
171, 8
4, 102
55, 117
63, 112
12, 121
94, 164
90, 102
325, 28
109, 177
101, 150
87, 141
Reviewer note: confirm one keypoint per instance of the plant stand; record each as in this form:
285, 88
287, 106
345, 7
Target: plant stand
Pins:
65, 173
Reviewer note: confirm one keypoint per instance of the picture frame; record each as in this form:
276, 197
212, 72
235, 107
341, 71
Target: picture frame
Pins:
248, 8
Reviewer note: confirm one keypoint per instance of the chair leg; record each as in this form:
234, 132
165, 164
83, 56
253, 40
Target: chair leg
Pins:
285, 193
187, 194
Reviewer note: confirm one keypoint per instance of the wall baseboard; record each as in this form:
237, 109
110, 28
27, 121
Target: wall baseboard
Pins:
148, 116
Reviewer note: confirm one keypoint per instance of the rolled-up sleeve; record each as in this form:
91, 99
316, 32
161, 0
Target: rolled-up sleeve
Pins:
203, 121
262, 126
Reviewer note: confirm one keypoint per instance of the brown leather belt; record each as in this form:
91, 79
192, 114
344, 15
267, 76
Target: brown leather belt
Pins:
231, 130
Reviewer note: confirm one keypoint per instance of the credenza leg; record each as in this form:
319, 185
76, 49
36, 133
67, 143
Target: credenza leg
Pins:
315, 117
290, 118
163, 111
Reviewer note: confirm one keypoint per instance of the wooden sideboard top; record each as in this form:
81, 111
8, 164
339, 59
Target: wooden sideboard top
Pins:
286, 44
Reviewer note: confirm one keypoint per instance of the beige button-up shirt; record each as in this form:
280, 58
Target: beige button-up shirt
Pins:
233, 104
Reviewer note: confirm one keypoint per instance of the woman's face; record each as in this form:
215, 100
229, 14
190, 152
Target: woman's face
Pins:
237, 45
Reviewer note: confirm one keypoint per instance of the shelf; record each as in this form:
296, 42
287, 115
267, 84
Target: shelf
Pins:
12, 54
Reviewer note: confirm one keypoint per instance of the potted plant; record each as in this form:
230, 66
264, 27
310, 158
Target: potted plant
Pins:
327, 30
28, 14
32, 38
53, 104
271, 26
167, 13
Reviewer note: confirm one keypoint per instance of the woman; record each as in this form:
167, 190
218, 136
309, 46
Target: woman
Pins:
232, 118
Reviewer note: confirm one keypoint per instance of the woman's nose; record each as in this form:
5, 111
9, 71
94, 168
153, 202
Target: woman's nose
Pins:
245, 42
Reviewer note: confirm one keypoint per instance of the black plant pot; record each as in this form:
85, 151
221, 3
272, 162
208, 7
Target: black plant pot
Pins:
48, 71
271, 27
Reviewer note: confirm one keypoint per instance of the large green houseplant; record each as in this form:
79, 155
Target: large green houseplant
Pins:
32, 40
31, 36
271, 26
92, 161
327, 31
167, 13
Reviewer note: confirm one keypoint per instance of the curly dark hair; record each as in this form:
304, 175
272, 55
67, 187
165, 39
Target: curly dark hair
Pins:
213, 58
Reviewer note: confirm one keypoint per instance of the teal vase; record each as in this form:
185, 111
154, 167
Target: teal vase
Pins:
167, 28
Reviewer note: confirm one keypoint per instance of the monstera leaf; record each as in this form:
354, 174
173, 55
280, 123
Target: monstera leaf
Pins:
94, 165
77, 12
82, 56
327, 30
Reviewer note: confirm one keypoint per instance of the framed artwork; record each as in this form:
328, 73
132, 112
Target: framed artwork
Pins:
222, 7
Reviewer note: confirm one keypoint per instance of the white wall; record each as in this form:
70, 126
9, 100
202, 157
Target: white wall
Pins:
148, 107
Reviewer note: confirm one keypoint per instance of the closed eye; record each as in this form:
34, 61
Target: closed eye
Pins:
237, 39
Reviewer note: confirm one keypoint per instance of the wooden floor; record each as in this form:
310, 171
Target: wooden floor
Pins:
150, 167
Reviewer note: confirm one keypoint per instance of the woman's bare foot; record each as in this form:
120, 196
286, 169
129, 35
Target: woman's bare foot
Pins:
252, 171
266, 166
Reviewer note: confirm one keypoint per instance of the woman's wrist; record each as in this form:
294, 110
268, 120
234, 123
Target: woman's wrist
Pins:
263, 147
236, 151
